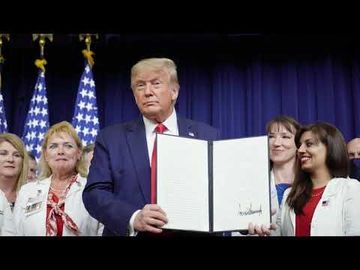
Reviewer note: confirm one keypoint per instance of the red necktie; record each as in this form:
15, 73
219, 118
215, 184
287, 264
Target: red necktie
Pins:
160, 128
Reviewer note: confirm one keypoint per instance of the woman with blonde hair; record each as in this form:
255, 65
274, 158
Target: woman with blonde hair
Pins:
53, 206
323, 200
13, 165
13, 172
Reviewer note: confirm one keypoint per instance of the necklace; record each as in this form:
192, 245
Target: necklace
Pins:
58, 192
60, 189
57, 189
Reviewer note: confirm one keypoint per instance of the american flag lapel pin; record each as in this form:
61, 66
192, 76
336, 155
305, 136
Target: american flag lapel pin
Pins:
325, 203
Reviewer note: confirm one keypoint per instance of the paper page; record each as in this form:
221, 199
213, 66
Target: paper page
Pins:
182, 182
241, 183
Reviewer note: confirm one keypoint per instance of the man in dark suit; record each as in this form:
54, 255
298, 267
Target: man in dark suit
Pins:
353, 148
118, 187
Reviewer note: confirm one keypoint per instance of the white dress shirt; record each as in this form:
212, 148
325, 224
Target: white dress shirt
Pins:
172, 129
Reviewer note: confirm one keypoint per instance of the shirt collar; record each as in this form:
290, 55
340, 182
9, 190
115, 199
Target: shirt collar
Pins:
170, 123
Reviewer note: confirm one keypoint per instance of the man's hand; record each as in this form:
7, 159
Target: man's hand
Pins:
151, 218
262, 230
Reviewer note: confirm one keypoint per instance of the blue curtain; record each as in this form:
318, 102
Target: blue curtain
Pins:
234, 85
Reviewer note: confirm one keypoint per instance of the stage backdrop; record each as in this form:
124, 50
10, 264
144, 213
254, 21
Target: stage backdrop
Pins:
233, 81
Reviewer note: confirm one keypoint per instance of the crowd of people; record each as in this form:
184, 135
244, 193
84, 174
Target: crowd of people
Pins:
107, 188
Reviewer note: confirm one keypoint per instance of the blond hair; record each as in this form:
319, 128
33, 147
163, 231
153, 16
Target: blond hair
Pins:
156, 64
90, 147
18, 144
65, 127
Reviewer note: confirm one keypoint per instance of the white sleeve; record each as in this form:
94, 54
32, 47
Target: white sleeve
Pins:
274, 200
132, 231
8, 228
352, 209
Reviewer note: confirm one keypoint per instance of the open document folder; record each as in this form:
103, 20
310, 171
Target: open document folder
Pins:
213, 186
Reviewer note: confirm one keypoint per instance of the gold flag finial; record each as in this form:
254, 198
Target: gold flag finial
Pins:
40, 63
5, 36
42, 40
2, 59
88, 39
88, 54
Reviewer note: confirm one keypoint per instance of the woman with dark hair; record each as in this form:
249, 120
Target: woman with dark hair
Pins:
323, 200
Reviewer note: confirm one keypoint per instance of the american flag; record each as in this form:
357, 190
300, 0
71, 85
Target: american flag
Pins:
3, 122
85, 119
325, 203
37, 120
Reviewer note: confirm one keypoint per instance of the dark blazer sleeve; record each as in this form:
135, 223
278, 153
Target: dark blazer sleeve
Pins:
102, 195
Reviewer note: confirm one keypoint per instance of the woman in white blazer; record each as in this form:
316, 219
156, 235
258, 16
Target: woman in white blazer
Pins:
323, 201
337, 213
13, 165
53, 206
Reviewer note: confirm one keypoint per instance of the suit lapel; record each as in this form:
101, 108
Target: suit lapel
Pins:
186, 128
136, 139
140, 159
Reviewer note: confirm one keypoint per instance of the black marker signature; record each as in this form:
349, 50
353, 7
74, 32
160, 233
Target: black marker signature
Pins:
249, 211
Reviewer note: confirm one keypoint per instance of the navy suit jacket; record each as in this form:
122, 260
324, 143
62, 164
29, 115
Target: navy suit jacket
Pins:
119, 179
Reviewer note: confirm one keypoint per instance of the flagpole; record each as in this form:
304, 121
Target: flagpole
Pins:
2, 59
42, 40
40, 63
3, 121
5, 36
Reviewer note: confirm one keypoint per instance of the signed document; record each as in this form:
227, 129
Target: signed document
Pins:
213, 186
